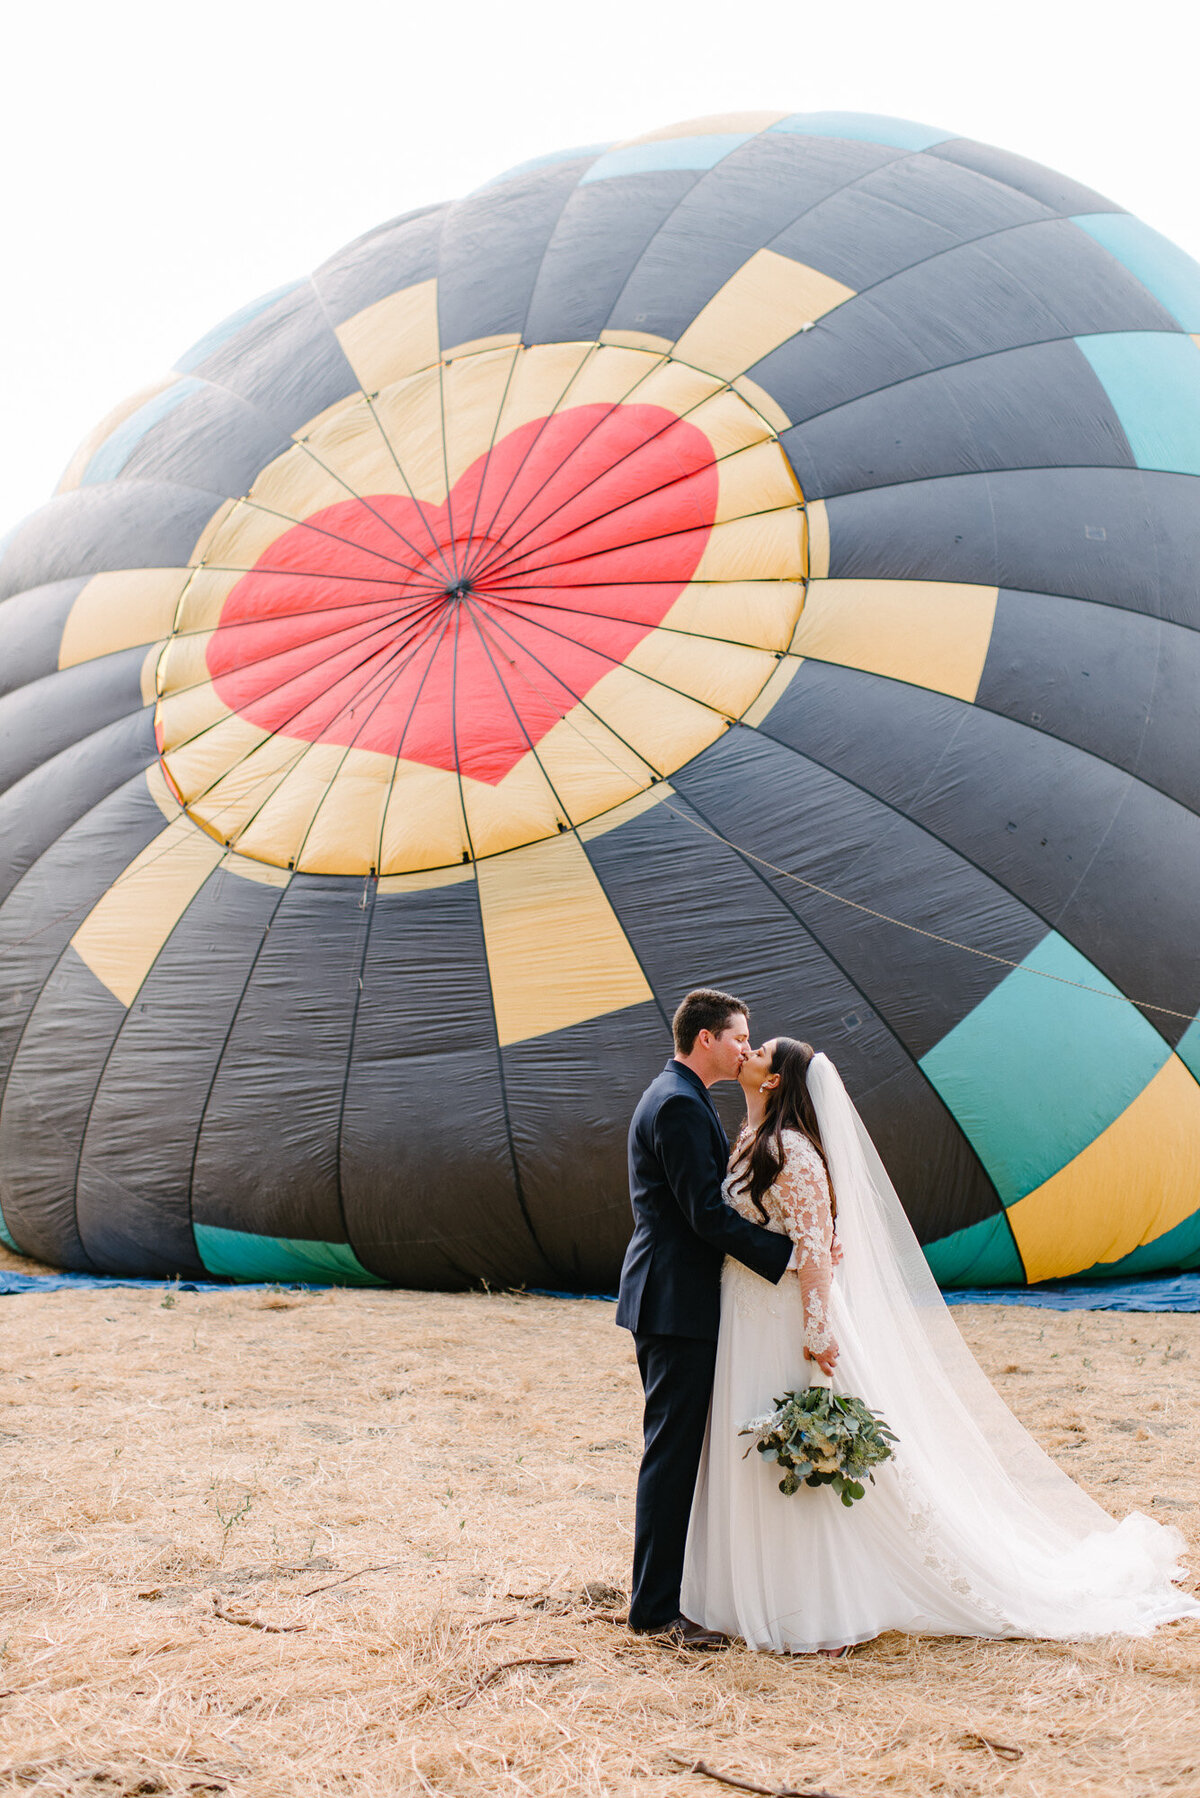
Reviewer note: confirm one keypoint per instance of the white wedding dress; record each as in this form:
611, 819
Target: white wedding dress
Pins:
970, 1529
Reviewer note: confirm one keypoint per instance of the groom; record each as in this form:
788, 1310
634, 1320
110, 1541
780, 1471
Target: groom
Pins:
670, 1294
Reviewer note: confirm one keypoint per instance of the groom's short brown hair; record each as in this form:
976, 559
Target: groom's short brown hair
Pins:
707, 1008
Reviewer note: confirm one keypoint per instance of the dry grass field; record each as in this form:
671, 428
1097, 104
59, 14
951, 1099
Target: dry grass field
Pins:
266, 1544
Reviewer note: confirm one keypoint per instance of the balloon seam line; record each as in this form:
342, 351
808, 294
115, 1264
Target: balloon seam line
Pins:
508, 381
518, 1187
378, 423
126, 1015
409, 651
542, 426
400, 744
385, 678
617, 662
656, 772
220, 1057
683, 417
378, 629
422, 555
574, 830
373, 886
608, 408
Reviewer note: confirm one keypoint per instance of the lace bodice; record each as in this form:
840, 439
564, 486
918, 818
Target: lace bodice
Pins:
798, 1206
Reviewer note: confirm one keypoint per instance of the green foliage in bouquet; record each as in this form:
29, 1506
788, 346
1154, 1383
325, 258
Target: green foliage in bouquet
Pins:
821, 1438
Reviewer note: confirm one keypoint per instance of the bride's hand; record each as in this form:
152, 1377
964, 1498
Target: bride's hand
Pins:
826, 1360
835, 1252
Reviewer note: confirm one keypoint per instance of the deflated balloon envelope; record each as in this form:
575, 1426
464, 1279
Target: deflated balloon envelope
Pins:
577, 592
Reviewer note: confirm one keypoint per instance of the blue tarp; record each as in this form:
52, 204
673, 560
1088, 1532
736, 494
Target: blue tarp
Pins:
1168, 1292
10, 1282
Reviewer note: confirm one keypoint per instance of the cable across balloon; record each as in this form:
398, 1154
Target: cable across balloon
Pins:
577, 592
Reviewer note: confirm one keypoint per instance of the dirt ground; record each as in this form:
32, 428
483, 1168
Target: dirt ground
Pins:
267, 1544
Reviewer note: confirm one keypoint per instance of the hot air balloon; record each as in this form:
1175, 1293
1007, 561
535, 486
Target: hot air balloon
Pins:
761, 553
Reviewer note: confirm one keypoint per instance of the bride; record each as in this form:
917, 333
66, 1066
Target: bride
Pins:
969, 1530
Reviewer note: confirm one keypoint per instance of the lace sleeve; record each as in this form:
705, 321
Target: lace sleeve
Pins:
801, 1197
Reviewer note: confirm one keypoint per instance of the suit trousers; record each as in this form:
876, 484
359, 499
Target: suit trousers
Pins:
677, 1378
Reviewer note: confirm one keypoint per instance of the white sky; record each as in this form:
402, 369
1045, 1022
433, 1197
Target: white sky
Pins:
166, 162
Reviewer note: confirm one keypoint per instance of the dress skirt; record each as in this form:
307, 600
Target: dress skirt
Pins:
800, 1573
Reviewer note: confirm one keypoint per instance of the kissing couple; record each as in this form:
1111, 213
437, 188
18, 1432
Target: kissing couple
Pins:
737, 1291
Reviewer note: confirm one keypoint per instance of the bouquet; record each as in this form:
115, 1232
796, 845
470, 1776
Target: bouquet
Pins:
822, 1439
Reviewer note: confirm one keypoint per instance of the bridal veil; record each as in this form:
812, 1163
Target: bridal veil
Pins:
1038, 1553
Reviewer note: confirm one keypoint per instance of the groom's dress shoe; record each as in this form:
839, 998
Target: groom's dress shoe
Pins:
681, 1632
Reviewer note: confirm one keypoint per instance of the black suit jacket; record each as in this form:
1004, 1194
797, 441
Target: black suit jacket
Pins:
682, 1227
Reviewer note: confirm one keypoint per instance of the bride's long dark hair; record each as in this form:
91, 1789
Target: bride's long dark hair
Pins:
789, 1107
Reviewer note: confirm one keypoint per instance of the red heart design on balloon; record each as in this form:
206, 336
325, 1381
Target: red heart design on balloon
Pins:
458, 635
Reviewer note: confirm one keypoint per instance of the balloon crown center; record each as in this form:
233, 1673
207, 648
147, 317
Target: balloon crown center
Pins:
459, 590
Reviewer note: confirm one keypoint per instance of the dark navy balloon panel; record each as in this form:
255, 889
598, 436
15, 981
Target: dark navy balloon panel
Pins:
764, 552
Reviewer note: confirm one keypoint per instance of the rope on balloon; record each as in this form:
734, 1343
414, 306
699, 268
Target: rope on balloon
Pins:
933, 936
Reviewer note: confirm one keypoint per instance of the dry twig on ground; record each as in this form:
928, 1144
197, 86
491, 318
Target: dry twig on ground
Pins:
529, 1660
247, 1622
746, 1785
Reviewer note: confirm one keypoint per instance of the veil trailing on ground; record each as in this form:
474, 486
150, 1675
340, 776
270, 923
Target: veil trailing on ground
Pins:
1030, 1542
